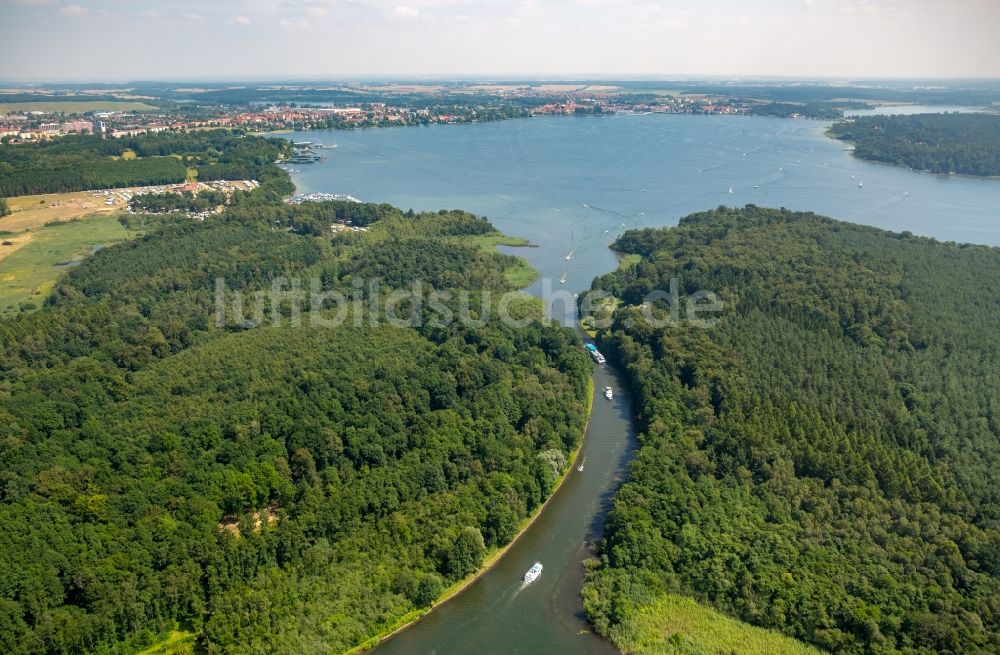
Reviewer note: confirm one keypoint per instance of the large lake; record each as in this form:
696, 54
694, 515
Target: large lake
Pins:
533, 177
571, 185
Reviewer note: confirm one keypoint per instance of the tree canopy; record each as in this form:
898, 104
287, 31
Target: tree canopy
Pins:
939, 143
84, 162
823, 461
275, 489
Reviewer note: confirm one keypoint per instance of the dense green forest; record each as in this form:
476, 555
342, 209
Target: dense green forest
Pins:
937, 92
819, 110
823, 460
270, 489
939, 143
78, 163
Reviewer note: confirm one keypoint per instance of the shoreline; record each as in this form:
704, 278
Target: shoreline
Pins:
410, 618
492, 558
904, 166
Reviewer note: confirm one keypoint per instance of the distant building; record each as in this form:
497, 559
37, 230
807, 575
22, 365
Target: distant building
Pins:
99, 129
69, 127
134, 130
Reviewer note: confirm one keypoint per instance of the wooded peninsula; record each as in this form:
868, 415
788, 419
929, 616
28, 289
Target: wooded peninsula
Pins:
823, 460
940, 143
261, 487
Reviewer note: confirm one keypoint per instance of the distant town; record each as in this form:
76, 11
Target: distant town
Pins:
51, 115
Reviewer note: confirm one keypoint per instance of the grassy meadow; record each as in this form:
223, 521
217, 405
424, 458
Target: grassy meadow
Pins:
37, 258
33, 212
676, 625
178, 642
519, 276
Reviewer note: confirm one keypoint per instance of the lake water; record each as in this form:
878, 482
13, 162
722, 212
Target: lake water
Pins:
533, 177
910, 110
571, 185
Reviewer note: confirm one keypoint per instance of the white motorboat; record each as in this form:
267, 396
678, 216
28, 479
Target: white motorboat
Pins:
533, 573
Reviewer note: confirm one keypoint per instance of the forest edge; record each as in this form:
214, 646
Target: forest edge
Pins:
491, 560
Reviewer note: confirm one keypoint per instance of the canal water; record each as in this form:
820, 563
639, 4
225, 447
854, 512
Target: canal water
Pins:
571, 186
499, 613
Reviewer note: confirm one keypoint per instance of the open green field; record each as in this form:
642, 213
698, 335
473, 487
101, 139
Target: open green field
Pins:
522, 275
519, 276
73, 107
493, 239
628, 261
675, 625
28, 274
178, 642
665, 92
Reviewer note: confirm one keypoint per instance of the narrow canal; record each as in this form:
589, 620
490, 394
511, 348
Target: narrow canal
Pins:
498, 613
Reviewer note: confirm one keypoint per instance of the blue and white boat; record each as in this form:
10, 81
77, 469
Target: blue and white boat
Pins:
533, 572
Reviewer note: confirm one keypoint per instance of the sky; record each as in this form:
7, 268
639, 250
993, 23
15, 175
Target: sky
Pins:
119, 40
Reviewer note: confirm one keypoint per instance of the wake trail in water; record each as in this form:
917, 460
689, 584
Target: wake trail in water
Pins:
606, 211
595, 236
881, 206
489, 608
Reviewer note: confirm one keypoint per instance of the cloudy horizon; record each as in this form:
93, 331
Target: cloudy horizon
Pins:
114, 40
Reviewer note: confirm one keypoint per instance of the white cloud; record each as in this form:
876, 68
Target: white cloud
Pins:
242, 20
405, 12
73, 10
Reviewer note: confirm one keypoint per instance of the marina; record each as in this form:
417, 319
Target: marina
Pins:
319, 196
303, 153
